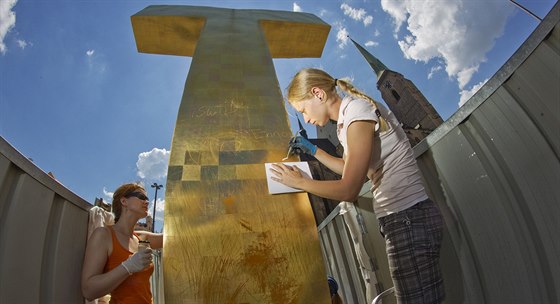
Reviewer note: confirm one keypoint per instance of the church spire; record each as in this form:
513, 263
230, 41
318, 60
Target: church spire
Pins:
375, 64
404, 99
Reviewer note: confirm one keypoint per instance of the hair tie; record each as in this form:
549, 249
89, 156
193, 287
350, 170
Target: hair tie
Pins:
335, 80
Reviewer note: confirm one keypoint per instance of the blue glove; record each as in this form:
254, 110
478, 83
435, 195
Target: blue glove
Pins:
300, 144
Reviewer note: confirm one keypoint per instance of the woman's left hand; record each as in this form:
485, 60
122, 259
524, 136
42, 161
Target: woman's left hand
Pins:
290, 176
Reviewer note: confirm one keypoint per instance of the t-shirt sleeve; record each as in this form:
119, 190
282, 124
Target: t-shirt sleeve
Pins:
361, 110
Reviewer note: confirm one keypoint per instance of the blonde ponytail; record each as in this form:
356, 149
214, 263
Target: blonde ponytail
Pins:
350, 89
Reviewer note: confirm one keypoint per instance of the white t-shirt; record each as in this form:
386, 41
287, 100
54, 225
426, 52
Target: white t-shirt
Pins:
396, 180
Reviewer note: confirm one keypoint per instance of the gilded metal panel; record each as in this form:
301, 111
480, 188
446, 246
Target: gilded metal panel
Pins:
226, 239
176, 29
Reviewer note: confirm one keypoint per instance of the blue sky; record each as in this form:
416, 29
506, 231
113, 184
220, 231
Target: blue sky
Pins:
78, 99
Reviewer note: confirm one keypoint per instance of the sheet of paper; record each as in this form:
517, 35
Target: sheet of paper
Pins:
275, 187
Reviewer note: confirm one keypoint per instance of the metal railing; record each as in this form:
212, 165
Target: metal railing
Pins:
156, 280
382, 295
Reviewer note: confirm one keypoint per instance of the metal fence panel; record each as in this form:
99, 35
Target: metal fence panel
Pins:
494, 170
43, 231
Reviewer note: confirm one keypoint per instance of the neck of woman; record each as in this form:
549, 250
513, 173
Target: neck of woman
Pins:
125, 226
334, 107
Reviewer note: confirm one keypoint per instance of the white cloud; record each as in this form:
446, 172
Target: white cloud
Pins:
466, 94
152, 165
356, 14
376, 33
368, 20
342, 36
108, 195
348, 78
371, 43
458, 32
22, 44
323, 12
7, 21
464, 75
398, 10
95, 62
160, 206
433, 70
296, 7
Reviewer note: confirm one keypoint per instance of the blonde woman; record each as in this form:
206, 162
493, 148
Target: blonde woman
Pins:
376, 147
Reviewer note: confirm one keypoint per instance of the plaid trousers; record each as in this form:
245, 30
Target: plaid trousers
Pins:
413, 238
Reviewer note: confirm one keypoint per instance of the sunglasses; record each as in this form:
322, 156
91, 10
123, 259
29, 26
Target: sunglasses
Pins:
139, 195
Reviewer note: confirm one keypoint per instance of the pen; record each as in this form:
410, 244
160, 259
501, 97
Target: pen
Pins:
290, 149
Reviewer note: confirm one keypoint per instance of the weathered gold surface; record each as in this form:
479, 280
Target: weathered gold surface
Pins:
226, 239
174, 30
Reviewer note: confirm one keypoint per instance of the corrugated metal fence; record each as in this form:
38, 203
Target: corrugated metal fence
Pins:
494, 170
43, 235
43, 231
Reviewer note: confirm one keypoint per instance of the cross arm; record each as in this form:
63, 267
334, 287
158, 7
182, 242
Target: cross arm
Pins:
175, 30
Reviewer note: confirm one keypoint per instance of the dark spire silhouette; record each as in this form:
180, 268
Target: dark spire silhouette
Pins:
375, 64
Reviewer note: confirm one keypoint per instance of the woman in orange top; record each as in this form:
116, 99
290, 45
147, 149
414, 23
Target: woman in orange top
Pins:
113, 261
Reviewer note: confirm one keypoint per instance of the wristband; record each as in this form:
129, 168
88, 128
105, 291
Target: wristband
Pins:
129, 273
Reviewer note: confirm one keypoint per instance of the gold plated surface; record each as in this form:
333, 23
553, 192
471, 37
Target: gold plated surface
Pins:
175, 30
226, 239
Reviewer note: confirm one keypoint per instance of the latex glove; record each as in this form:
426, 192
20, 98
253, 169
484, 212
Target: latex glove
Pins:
300, 144
138, 261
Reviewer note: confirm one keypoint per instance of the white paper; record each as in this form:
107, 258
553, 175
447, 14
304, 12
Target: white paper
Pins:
275, 187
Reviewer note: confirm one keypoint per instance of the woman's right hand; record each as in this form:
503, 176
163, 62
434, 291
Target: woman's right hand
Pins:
138, 261
299, 143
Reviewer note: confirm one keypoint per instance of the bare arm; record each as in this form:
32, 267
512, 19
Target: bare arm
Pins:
353, 173
336, 164
95, 283
156, 239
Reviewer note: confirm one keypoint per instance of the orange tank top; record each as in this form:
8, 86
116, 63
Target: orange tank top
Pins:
136, 288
